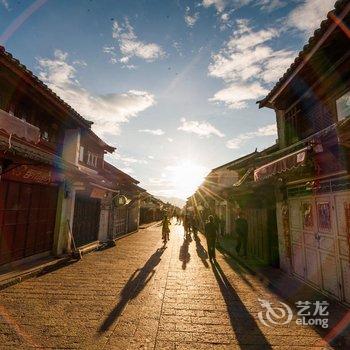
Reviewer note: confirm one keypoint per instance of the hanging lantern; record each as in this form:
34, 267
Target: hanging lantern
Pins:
120, 201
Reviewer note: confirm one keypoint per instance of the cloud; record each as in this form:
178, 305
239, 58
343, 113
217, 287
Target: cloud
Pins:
219, 4
203, 129
123, 161
268, 130
271, 5
190, 19
5, 4
177, 46
247, 64
307, 16
130, 46
79, 63
264, 5
225, 17
236, 96
225, 21
107, 111
156, 132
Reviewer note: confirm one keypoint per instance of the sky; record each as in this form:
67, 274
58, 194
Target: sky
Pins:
172, 84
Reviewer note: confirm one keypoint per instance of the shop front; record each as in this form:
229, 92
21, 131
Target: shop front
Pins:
86, 219
319, 231
314, 215
28, 205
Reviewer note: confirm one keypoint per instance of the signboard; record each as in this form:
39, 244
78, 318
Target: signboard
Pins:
97, 193
32, 174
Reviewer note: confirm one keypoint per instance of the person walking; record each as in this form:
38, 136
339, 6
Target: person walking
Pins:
210, 234
165, 228
242, 232
185, 223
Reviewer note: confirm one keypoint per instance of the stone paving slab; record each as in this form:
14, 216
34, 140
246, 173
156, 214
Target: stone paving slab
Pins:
140, 295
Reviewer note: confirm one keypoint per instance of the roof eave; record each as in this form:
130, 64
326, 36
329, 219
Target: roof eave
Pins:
307, 53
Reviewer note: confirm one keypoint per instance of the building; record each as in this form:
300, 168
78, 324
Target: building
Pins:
212, 197
311, 167
124, 207
33, 125
54, 181
151, 208
88, 187
229, 190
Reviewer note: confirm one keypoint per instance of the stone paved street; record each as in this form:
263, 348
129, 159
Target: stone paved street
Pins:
140, 296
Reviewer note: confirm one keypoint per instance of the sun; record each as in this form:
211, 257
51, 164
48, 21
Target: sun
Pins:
186, 176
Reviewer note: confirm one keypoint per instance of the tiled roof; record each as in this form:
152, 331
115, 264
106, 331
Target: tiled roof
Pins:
36, 81
339, 6
112, 169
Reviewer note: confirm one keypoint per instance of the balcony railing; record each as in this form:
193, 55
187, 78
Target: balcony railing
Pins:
19, 128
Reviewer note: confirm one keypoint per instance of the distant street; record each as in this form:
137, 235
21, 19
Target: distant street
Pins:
140, 296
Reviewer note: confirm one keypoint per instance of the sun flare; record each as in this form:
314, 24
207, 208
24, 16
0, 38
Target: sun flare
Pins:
186, 176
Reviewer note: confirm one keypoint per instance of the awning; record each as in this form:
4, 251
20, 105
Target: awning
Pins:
103, 188
281, 165
18, 127
95, 180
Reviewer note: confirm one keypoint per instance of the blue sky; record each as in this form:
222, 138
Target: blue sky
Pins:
172, 84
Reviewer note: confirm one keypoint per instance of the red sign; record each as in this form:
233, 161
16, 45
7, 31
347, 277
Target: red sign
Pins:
31, 174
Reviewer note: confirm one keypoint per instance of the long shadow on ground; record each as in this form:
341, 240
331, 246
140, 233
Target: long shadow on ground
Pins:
137, 281
184, 254
201, 252
243, 324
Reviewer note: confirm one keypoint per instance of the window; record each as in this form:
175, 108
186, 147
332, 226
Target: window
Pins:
21, 112
92, 159
292, 125
81, 154
89, 154
343, 106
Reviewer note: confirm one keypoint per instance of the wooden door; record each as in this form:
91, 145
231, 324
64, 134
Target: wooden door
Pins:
326, 237
133, 216
312, 265
119, 221
86, 219
296, 233
27, 219
342, 209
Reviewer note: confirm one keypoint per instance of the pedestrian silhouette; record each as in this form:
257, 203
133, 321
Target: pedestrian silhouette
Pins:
210, 234
242, 232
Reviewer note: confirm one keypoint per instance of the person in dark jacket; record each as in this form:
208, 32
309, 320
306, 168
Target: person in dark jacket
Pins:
210, 234
242, 233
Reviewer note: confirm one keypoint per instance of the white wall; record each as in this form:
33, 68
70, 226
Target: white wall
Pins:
62, 241
71, 146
